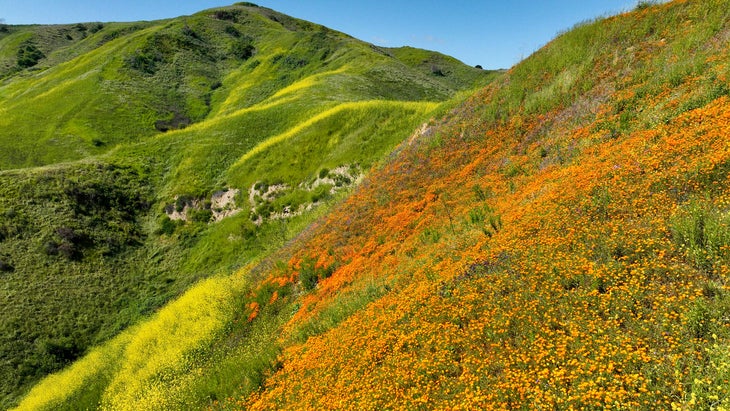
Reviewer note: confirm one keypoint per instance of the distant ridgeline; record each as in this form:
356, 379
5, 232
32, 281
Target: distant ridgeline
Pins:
140, 159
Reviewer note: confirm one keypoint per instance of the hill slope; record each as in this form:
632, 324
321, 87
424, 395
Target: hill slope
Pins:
100, 85
559, 240
140, 158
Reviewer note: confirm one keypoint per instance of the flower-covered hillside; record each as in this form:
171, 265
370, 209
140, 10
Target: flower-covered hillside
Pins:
562, 240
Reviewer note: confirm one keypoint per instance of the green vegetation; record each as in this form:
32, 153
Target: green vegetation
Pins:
109, 129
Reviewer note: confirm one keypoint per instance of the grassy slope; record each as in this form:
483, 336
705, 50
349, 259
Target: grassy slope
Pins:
560, 240
81, 246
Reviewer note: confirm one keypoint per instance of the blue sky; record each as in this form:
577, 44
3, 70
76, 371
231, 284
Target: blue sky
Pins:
491, 33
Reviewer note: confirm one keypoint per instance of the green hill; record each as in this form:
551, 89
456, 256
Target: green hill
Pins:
142, 158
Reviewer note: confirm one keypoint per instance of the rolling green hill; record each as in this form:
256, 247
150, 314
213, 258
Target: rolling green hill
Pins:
141, 158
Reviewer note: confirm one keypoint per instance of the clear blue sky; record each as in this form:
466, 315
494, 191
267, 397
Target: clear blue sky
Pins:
491, 33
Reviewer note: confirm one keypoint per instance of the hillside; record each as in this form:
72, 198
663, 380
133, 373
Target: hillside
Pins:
141, 158
559, 239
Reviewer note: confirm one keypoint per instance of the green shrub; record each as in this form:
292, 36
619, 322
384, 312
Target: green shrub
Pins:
228, 15
29, 55
167, 226
242, 49
310, 274
70, 251
232, 31
321, 192
145, 61
200, 216
6, 266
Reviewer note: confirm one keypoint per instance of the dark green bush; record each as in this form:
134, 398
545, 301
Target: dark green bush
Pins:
167, 226
29, 55
310, 274
51, 248
232, 31
321, 192
242, 49
145, 61
63, 350
229, 15
181, 202
70, 251
200, 216
6, 267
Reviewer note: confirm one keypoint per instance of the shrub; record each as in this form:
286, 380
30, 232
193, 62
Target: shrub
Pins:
242, 50
63, 350
181, 202
51, 248
229, 15
6, 267
167, 226
145, 61
200, 216
69, 251
341, 180
178, 121
289, 62
232, 31
437, 71
310, 273
321, 192
74, 237
29, 55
